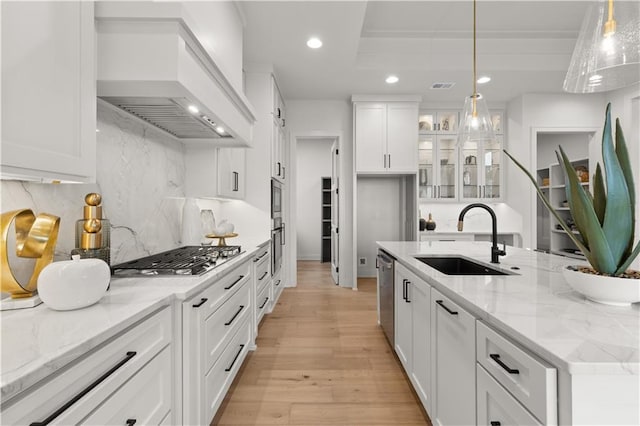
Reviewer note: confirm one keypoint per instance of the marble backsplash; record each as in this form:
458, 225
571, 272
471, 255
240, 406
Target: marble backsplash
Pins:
140, 174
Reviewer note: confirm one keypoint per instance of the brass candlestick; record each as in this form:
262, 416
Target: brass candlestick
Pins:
93, 231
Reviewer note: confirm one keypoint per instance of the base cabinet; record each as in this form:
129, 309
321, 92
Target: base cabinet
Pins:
413, 330
128, 378
453, 362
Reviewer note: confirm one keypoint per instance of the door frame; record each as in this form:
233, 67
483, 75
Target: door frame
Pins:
292, 214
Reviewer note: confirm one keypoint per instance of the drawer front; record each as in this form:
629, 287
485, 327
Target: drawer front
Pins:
224, 322
114, 363
262, 274
496, 407
262, 304
145, 398
262, 257
278, 286
219, 379
211, 298
529, 380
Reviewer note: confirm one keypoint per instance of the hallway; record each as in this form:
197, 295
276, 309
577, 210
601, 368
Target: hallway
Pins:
322, 359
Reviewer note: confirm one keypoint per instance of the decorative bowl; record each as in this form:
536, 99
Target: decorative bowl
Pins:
73, 284
603, 289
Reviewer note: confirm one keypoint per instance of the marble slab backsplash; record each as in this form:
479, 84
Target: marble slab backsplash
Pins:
140, 174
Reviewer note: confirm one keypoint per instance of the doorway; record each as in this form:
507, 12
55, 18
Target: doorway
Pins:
315, 190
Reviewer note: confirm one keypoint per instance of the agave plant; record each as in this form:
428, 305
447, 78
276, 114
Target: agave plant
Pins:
606, 219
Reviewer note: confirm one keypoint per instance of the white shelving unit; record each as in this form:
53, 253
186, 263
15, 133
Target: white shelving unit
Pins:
551, 237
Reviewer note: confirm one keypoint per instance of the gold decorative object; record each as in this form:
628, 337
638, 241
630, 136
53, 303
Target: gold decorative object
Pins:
221, 238
36, 237
93, 231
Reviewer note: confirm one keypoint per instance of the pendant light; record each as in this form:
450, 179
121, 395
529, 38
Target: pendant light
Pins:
607, 53
475, 127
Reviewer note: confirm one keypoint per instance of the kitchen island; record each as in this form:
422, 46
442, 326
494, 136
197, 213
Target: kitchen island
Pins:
595, 348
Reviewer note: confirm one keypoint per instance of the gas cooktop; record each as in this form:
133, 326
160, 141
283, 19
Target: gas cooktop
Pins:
188, 260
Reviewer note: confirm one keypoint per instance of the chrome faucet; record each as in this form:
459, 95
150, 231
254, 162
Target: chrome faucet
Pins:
495, 251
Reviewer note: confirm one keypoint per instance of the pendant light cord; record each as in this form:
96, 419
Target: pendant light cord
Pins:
475, 90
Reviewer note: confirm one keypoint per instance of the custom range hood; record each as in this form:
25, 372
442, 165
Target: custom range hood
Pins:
152, 65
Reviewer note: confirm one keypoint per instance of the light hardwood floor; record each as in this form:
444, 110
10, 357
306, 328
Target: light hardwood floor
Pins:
322, 359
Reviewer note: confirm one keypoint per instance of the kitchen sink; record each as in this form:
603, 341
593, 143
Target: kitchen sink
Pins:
456, 265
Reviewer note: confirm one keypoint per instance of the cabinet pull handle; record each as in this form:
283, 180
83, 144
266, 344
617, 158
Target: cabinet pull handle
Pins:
479, 191
263, 275
509, 370
234, 359
494, 423
283, 122
439, 302
235, 282
202, 301
279, 168
265, 302
233, 318
404, 289
407, 298
130, 422
261, 256
85, 391
389, 160
384, 160
235, 181
277, 283
278, 112
434, 194
283, 171
439, 195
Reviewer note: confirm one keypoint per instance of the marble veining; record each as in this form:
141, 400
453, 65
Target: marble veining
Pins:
537, 308
37, 342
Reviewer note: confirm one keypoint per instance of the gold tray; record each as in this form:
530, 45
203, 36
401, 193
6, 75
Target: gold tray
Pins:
221, 238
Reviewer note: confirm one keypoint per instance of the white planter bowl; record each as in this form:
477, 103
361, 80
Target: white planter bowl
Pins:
73, 284
608, 290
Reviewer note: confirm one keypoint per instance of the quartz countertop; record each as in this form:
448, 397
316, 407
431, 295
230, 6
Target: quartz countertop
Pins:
38, 341
536, 308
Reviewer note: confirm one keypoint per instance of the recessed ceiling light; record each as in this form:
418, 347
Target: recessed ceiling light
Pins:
314, 43
220, 129
595, 77
392, 79
484, 79
193, 109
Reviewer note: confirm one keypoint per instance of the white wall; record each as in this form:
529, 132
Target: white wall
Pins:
313, 161
446, 217
537, 111
574, 144
379, 213
323, 118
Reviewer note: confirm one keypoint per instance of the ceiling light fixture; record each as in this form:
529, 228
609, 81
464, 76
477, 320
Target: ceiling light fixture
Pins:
392, 79
607, 48
220, 129
314, 43
484, 79
193, 109
475, 126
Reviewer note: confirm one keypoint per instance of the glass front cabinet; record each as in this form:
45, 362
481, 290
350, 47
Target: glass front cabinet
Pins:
449, 172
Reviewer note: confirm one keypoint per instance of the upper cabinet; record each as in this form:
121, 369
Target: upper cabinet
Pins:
215, 172
385, 136
450, 172
48, 91
278, 141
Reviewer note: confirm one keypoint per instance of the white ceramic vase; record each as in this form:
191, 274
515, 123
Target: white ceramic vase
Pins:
73, 284
602, 289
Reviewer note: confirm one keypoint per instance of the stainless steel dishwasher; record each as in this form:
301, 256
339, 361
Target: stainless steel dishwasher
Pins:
386, 303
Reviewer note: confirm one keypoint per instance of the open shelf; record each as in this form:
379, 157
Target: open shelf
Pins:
325, 249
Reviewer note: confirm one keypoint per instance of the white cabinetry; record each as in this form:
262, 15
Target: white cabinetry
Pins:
262, 292
530, 384
413, 330
126, 380
215, 172
385, 137
48, 91
217, 334
278, 143
453, 363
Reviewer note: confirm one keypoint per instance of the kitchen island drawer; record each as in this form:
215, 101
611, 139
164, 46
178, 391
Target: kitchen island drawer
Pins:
224, 322
496, 407
210, 299
145, 399
262, 303
74, 391
529, 380
219, 378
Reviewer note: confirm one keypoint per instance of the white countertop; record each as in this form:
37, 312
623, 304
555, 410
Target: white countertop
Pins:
38, 341
536, 308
